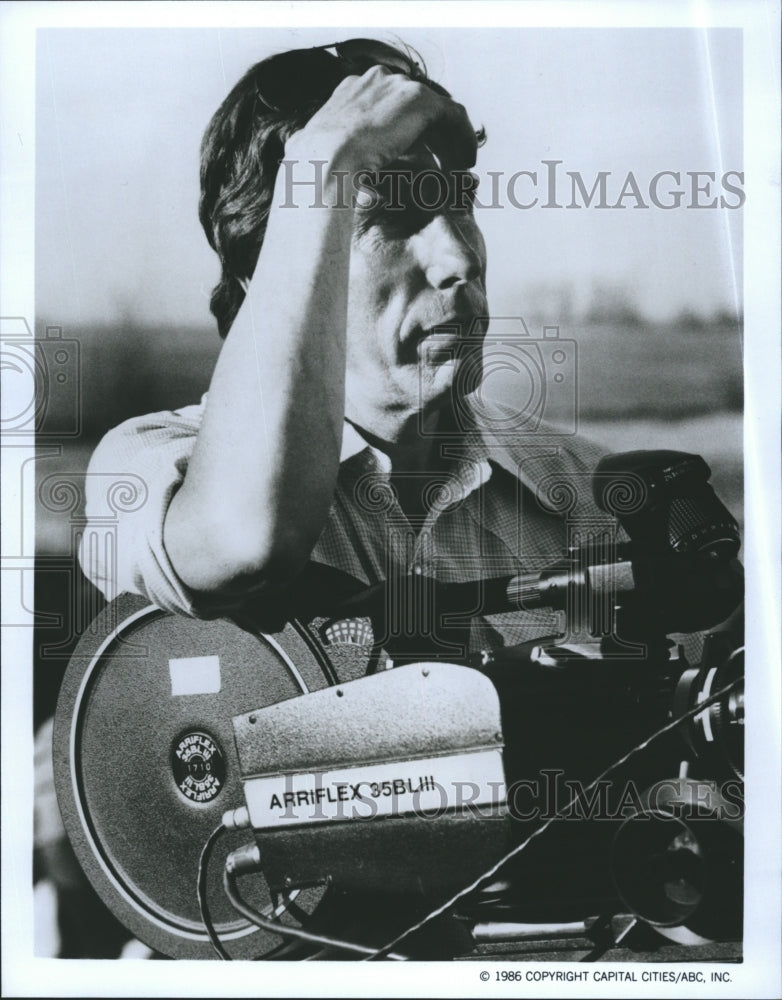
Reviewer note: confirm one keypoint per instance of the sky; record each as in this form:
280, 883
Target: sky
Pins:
120, 114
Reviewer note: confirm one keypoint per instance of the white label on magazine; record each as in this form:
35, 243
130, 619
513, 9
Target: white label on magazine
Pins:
194, 675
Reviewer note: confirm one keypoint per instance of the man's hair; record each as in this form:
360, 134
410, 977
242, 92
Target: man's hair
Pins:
240, 155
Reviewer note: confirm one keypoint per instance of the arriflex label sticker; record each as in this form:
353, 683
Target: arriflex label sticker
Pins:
424, 786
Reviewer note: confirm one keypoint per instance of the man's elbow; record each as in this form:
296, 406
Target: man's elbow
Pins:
269, 557
226, 556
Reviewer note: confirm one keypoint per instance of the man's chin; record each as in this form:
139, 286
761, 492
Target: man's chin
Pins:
445, 387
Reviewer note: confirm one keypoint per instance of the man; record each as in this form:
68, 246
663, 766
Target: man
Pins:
338, 430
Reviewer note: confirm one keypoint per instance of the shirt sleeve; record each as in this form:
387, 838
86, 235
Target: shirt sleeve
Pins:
131, 478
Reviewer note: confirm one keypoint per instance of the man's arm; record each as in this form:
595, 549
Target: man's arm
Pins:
262, 475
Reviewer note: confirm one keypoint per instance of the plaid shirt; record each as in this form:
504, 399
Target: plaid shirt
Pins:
506, 503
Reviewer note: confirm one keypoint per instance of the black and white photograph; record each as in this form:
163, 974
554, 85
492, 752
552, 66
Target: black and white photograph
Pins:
391, 499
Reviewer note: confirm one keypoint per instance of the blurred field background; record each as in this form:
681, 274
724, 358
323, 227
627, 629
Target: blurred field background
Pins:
640, 385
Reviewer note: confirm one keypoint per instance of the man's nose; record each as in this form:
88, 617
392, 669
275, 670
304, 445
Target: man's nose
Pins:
450, 257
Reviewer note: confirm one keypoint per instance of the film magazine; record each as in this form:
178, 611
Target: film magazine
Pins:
479, 325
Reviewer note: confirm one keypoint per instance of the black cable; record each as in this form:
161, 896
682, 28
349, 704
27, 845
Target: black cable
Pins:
290, 951
232, 891
284, 951
444, 907
203, 905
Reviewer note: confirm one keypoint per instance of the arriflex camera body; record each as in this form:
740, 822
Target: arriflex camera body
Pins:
422, 810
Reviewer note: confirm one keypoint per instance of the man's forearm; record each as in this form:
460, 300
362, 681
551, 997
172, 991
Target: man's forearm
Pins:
263, 472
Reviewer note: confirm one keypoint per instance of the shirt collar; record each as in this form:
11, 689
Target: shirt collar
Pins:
353, 443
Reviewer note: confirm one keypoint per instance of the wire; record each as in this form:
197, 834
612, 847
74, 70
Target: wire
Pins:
318, 956
203, 905
284, 951
232, 891
272, 912
438, 911
287, 951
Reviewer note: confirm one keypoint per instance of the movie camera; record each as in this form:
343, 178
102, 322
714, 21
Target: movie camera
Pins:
374, 802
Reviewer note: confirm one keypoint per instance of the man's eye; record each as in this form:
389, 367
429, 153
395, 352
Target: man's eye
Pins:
404, 202
425, 191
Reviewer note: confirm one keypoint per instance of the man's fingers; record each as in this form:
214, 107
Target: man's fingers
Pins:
452, 138
449, 134
384, 113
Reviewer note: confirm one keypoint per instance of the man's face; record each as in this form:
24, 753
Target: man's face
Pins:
412, 270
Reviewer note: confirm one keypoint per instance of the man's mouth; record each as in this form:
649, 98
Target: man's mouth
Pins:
446, 340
